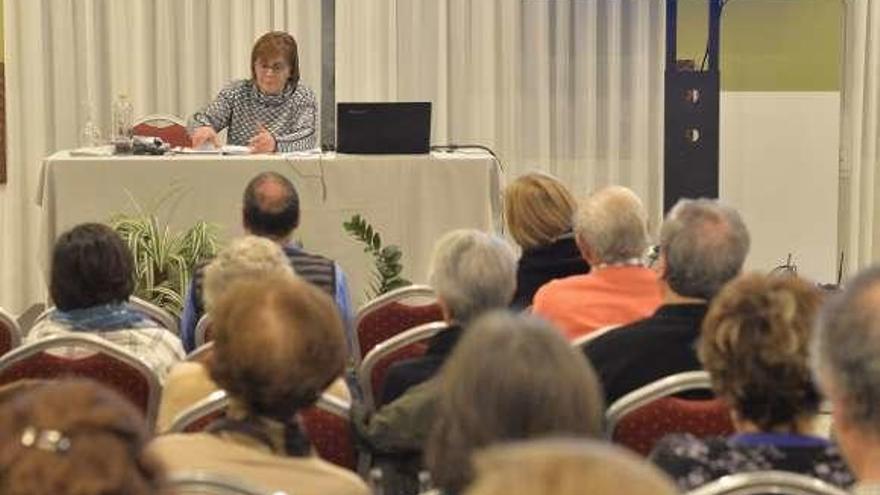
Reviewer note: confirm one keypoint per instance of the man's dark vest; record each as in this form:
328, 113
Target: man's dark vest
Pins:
313, 268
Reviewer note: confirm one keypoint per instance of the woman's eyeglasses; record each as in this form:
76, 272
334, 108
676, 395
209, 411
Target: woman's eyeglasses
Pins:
275, 68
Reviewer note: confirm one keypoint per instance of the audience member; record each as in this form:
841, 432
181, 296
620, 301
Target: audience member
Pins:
246, 258
471, 272
846, 363
539, 211
565, 467
512, 378
754, 346
703, 245
611, 233
92, 278
269, 373
74, 437
271, 210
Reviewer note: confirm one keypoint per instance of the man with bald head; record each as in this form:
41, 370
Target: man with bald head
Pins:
271, 210
612, 234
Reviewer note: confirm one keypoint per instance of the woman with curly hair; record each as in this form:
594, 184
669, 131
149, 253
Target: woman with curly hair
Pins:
74, 437
754, 344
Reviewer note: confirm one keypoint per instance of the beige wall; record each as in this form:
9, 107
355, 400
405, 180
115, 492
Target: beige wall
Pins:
770, 45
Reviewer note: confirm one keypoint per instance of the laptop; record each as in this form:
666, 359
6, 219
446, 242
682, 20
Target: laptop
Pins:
383, 128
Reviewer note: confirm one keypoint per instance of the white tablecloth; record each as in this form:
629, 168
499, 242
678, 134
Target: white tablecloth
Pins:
410, 199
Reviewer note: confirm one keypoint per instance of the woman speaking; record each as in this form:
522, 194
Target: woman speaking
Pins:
271, 111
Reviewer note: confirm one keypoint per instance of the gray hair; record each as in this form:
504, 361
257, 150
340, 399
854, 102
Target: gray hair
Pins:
245, 258
472, 272
704, 244
612, 222
846, 349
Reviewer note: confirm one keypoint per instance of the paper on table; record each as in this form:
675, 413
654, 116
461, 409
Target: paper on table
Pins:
229, 149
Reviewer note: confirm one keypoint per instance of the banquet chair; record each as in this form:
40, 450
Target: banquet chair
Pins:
203, 331
168, 128
86, 356
642, 417
762, 482
201, 354
327, 425
409, 344
211, 483
157, 314
585, 340
10, 333
392, 313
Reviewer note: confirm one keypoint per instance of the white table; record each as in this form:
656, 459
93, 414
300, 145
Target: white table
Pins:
410, 199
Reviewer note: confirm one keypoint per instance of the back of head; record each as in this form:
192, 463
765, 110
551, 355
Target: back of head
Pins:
245, 258
538, 209
846, 349
755, 344
472, 272
566, 467
74, 437
704, 245
278, 344
612, 222
271, 206
511, 377
91, 265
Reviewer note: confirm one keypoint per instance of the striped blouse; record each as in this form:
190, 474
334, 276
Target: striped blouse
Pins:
291, 117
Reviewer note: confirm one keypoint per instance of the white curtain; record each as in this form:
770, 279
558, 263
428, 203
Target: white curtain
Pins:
168, 56
572, 87
860, 153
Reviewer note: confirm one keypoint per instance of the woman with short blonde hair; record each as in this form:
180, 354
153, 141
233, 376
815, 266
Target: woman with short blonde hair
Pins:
539, 210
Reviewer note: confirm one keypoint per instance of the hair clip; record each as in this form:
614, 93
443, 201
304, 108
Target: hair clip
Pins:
48, 440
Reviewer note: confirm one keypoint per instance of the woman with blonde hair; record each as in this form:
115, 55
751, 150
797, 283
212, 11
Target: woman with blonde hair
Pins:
754, 344
512, 377
539, 210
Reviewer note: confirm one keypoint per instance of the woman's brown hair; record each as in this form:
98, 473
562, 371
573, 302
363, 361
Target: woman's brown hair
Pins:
754, 344
74, 437
277, 44
510, 378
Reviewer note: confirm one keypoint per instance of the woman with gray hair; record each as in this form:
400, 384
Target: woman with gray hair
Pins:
472, 272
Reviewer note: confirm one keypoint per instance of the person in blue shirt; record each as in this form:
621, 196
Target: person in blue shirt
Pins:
271, 210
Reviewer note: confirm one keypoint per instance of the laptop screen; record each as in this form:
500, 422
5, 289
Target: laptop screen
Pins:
385, 128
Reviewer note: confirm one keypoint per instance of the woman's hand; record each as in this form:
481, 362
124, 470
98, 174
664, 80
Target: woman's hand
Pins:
205, 134
263, 142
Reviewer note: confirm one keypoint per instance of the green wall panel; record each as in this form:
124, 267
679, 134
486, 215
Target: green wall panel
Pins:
770, 45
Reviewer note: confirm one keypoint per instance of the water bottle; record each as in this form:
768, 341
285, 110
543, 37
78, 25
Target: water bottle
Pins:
122, 119
91, 134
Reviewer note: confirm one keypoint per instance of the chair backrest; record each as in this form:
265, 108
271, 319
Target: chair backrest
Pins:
392, 313
10, 333
202, 353
583, 340
159, 315
87, 356
328, 426
409, 344
203, 330
761, 482
642, 417
211, 483
201, 415
169, 128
